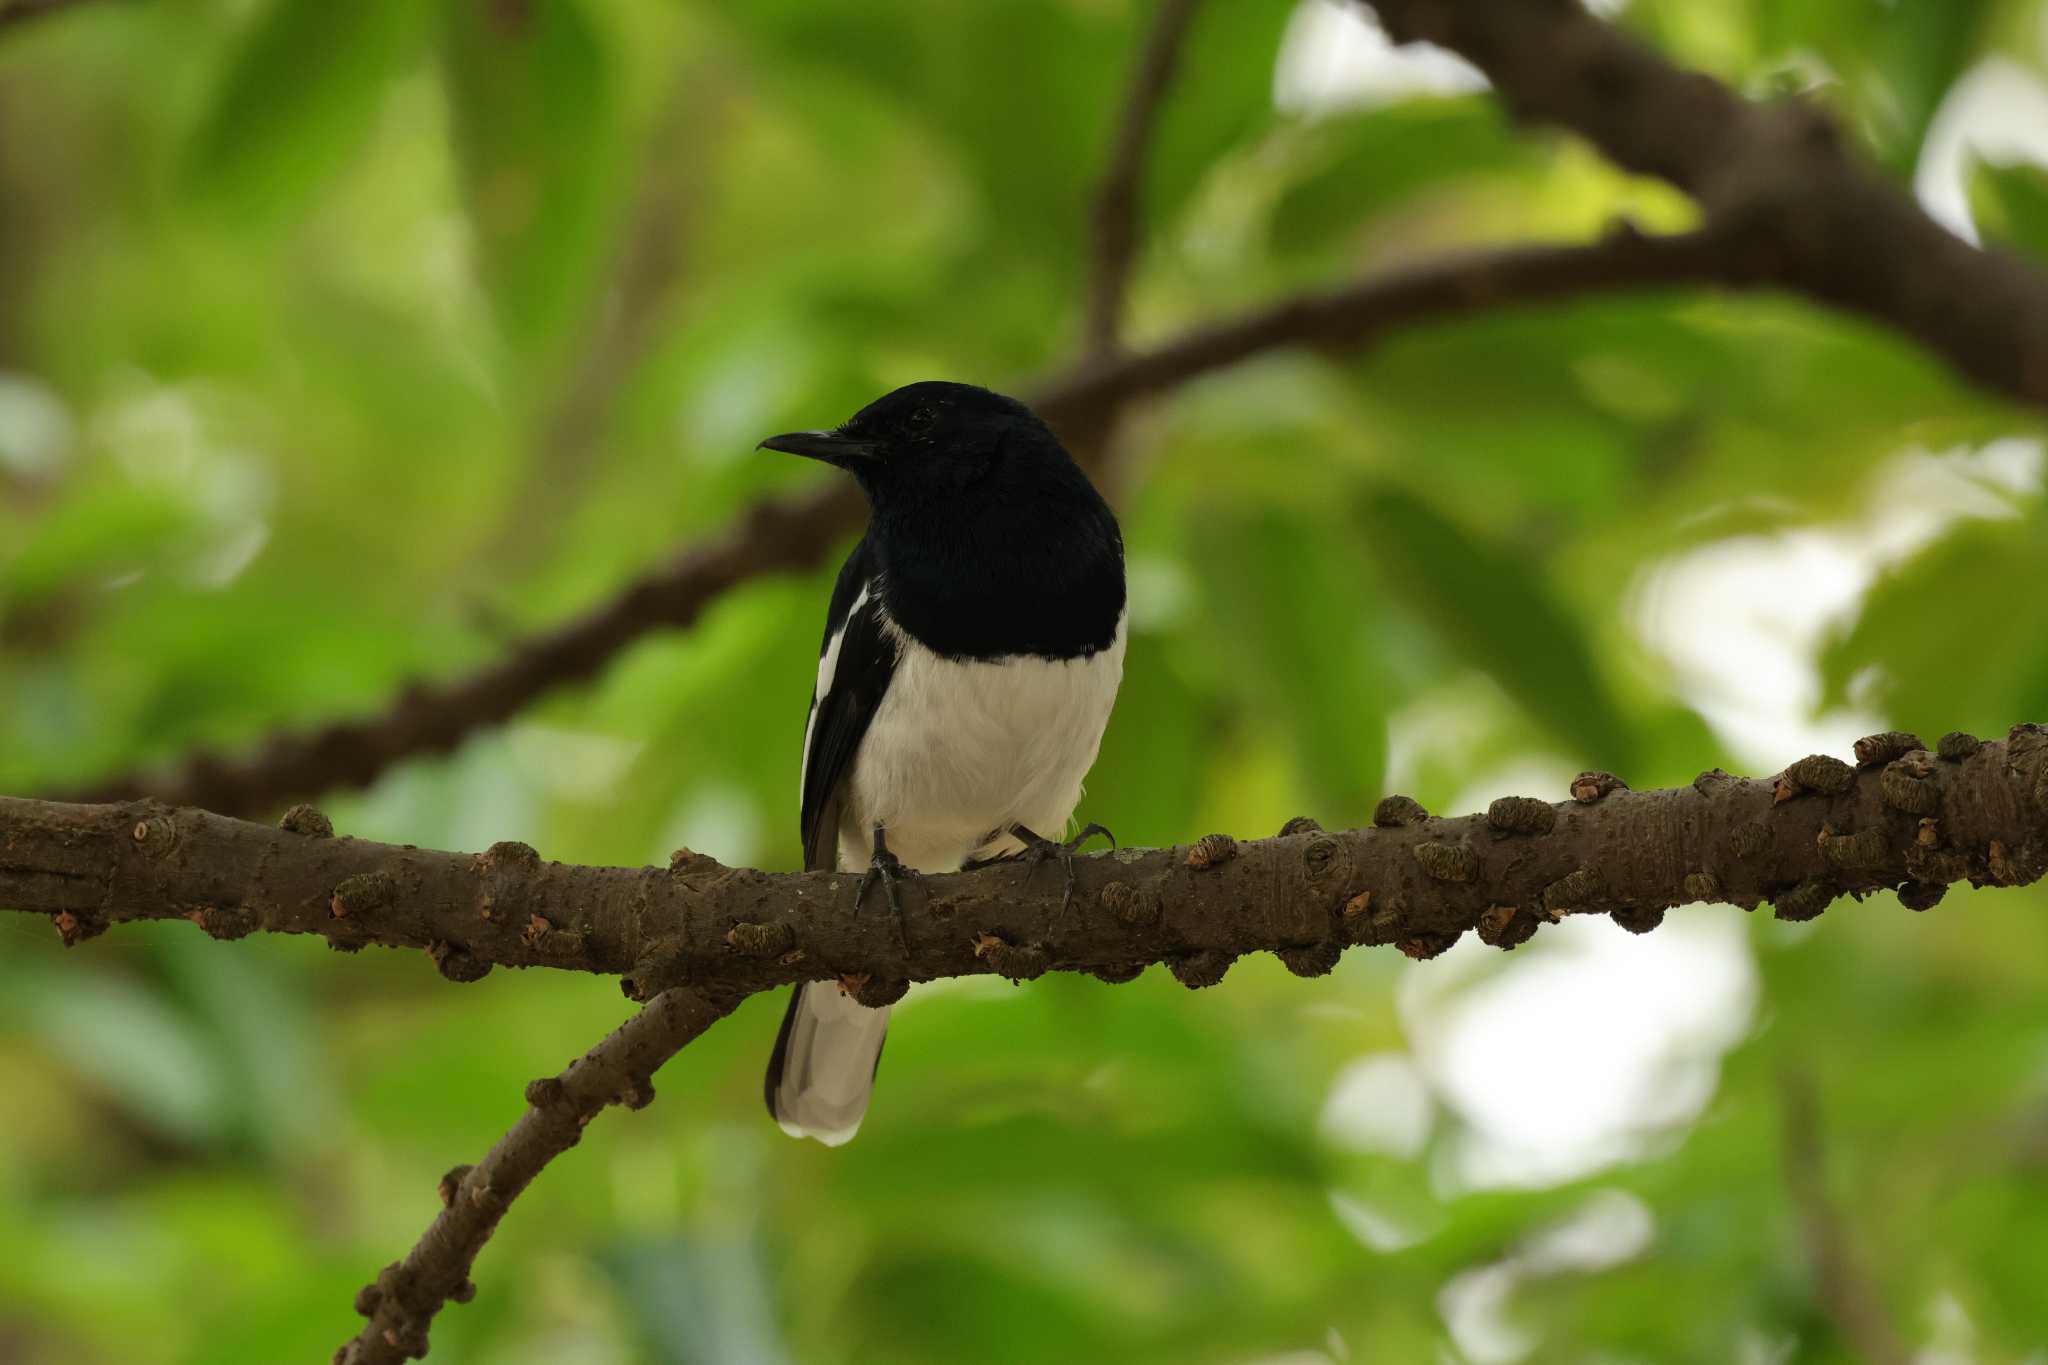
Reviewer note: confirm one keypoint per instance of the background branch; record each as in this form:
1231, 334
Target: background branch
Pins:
1808, 212
794, 534
1905, 819
1845, 1292
402, 1301
17, 11
1115, 213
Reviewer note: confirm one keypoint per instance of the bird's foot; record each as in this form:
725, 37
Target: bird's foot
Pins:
886, 868
1039, 849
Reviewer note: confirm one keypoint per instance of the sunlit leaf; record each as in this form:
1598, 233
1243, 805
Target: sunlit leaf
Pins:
1956, 638
1361, 165
2012, 203
1489, 604
533, 107
1288, 628
298, 97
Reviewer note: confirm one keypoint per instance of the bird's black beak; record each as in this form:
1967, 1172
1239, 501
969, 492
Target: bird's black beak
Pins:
847, 452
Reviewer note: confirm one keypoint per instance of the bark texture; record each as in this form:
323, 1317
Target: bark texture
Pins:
1779, 177
402, 1301
1902, 817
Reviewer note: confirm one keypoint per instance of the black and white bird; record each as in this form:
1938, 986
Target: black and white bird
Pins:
972, 652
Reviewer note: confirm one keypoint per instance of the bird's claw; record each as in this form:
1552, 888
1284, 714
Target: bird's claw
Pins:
886, 868
1040, 849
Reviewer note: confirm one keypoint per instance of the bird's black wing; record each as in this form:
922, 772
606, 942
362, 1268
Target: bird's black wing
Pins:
844, 702
863, 659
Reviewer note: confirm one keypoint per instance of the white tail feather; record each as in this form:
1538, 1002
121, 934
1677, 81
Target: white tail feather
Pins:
828, 1064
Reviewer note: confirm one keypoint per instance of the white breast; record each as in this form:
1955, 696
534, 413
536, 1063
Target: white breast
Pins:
961, 749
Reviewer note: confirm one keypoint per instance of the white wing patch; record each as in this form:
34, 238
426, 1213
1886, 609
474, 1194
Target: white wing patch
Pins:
828, 666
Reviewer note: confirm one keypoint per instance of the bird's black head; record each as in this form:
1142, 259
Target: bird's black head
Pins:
932, 440
987, 537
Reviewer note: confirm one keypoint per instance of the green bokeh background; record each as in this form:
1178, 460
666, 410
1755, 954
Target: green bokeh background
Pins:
342, 343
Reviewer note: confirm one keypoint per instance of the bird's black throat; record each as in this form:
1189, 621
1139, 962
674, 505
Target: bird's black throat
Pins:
973, 578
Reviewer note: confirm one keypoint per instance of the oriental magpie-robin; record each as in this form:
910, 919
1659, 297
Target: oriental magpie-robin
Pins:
972, 651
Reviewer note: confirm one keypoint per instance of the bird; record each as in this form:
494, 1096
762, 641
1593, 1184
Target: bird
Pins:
973, 647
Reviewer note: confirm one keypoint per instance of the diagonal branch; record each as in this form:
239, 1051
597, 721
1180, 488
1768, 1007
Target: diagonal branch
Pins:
1115, 216
776, 535
1905, 819
794, 534
1809, 214
401, 1303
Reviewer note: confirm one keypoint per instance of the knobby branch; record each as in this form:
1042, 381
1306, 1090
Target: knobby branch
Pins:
1902, 817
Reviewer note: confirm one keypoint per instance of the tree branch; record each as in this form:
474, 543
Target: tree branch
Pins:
794, 534
1808, 213
402, 1301
1115, 217
1905, 819
697, 937
19, 11
789, 534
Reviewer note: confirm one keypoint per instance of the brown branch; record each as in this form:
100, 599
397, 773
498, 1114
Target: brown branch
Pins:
794, 534
402, 1301
20, 11
1905, 819
1115, 216
1810, 215
1817, 223
696, 937
788, 534
1845, 1291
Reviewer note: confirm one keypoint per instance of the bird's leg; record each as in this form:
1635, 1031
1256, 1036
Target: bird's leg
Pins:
885, 868
1040, 849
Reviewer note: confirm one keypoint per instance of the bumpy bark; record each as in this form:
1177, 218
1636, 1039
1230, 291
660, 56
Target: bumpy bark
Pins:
1908, 819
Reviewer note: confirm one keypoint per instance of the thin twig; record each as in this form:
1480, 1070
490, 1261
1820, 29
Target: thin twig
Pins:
1117, 198
402, 1301
794, 534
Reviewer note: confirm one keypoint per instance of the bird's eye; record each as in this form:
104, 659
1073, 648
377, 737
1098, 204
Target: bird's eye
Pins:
921, 421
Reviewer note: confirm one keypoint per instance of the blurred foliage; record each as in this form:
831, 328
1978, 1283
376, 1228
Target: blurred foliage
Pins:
296, 294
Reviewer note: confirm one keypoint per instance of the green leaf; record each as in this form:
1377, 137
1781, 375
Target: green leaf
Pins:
1297, 646
1957, 636
143, 1054
1059, 83
2010, 203
1488, 602
1147, 781
1362, 165
530, 91
1222, 96
297, 98
1918, 48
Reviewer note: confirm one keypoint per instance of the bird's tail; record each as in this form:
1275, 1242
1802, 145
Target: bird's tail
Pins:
823, 1067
